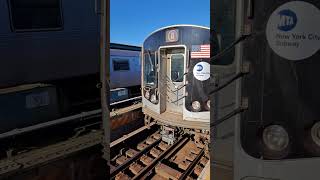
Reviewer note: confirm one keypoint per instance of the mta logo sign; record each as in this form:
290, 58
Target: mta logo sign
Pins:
287, 20
199, 67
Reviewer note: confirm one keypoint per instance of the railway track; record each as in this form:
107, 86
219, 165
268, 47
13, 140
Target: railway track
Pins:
154, 159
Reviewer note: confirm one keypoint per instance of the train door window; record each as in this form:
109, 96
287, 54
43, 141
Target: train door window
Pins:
121, 64
33, 15
177, 67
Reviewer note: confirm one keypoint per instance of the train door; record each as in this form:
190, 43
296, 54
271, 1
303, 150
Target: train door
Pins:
175, 81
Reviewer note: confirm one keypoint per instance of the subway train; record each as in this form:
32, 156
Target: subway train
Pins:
49, 60
48, 40
176, 79
125, 69
266, 118
125, 66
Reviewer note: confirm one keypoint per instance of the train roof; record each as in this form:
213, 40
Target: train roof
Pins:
124, 47
176, 25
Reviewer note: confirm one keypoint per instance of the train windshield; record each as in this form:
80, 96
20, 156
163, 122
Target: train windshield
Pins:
149, 69
224, 26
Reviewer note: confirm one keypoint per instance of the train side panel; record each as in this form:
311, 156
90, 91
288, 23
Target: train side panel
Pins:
128, 75
41, 55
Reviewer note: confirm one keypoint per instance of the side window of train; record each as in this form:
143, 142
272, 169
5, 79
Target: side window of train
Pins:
120, 64
35, 15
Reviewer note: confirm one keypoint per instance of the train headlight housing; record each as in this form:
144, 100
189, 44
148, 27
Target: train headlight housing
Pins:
312, 140
147, 95
276, 142
315, 133
275, 137
196, 106
154, 99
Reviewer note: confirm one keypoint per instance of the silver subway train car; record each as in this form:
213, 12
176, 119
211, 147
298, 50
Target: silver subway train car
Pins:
175, 77
125, 66
48, 40
49, 53
125, 71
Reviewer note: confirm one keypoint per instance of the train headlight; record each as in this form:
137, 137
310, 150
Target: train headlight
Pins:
276, 142
275, 137
154, 99
312, 140
147, 95
315, 133
196, 106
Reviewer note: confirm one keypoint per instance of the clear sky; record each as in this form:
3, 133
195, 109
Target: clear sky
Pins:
132, 21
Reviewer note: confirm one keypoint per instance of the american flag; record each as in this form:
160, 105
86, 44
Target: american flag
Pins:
200, 51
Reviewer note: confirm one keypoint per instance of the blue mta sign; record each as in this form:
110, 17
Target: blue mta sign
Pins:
287, 20
199, 67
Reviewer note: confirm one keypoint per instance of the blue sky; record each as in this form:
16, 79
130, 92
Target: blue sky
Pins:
131, 21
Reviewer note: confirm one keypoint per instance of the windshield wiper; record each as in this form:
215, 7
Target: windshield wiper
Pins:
244, 70
244, 106
230, 47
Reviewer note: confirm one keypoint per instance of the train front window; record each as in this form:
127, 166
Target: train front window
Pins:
29, 15
224, 26
177, 67
149, 69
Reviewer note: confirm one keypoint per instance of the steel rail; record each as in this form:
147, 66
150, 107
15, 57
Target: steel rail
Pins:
143, 173
187, 172
129, 161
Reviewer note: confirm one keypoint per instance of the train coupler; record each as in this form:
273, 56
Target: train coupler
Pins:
168, 135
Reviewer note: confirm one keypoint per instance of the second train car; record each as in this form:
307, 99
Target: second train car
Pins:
176, 77
125, 71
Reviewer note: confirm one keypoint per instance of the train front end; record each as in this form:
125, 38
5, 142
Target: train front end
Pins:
175, 77
277, 135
